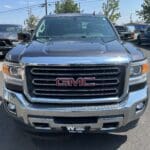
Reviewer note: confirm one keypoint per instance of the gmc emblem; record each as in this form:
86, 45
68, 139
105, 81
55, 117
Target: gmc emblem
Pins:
79, 82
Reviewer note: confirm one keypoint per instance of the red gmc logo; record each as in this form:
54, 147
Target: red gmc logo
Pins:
79, 82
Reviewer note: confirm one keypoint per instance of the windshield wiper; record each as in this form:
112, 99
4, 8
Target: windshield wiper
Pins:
83, 36
43, 37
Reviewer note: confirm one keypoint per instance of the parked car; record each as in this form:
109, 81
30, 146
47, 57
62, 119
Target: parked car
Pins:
144, 36
8, 37
136, 28
124, 33
75, 75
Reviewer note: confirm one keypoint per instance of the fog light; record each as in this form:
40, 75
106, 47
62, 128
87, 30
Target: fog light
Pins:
11, 108
140, 106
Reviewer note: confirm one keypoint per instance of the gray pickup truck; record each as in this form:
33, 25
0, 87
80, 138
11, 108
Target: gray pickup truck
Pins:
8, 37
75, 75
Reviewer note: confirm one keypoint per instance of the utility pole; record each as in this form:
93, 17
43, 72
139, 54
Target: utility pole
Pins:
131, 18
29, 9
79, 7
46, 7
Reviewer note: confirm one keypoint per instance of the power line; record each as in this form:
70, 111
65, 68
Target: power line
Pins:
46, 5
26, 7
18, 9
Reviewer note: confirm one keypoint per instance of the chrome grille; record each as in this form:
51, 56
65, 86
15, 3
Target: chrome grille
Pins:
109, 81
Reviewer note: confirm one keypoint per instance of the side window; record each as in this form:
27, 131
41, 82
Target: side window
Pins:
41, 30
148, 30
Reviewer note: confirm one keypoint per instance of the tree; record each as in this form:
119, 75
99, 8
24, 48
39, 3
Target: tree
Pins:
66, 6
31, 22
111, 10
144, 14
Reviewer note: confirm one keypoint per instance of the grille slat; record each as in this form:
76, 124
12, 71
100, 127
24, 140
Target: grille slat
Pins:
74, 95
108, 81
77, 74
73, 68
65, 71
51, 82
75, 90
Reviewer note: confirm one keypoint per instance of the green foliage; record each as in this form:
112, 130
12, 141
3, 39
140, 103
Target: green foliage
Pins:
66, 6
145, 12
31, 22
111, 10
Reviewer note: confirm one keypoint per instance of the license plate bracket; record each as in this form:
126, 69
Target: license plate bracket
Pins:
72, 129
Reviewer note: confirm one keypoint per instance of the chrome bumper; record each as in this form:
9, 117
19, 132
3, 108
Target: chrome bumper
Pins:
121, 113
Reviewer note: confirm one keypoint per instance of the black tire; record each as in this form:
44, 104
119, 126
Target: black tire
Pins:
139, 42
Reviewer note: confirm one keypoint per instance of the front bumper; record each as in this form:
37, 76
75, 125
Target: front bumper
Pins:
109, 117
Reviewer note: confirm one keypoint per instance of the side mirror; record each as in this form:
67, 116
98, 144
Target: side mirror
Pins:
24, 37
32, 31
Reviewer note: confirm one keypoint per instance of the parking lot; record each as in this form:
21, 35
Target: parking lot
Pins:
12, 138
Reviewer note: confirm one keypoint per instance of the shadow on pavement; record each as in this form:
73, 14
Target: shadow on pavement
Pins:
81, 142
145, 46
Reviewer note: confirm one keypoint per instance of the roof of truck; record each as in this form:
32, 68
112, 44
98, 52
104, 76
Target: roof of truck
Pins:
72, 14
10, 24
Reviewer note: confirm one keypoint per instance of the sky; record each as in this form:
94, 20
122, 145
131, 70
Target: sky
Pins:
127, 7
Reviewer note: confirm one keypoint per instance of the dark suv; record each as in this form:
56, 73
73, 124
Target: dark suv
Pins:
75, 75
144, 36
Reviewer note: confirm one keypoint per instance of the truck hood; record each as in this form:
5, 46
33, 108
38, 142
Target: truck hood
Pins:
93, 50
7, 35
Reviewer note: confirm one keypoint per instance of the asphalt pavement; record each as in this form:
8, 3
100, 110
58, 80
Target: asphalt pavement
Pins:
13, 138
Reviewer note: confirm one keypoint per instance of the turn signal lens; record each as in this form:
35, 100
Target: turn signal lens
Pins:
13, 73
12, 70
145, 68
5, 69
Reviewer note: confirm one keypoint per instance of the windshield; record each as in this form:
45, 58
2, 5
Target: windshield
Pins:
121, 28
131, 28
76, 26
10, 28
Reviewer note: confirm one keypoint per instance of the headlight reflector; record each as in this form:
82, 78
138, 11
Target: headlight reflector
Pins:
139, 69
135, 70
138, 72
13, 73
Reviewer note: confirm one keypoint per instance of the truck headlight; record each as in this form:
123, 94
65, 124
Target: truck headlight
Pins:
13, 73
138, 72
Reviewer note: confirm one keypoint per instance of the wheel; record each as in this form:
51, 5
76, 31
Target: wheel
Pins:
139, 42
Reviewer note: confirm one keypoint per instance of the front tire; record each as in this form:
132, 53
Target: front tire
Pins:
139, 42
